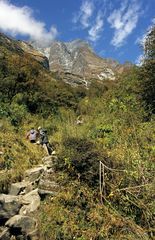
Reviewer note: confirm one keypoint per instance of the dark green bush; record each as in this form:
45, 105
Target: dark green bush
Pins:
80, 159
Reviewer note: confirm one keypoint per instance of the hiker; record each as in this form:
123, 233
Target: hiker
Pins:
79, 120
32, 135
43, 140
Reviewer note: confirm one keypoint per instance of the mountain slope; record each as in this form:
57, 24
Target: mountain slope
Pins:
24, 76
76, 62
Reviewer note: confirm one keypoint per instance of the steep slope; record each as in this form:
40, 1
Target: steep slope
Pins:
76, 62
25, 78
39, 57
21, 48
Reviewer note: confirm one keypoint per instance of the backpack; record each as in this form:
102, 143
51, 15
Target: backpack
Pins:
43, 136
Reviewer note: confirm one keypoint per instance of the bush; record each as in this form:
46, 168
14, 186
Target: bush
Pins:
80, 159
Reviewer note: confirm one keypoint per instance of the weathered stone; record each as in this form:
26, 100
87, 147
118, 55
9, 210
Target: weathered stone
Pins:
31, 201
34, 174
49, 158
5, 234
26, 225
20, 188
9, 206
44, 193
49, 164
77, 64
47, 184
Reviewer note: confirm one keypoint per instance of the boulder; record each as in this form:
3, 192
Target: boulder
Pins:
34, 174
48, 164
23, 225
31, 202
47, 184
20, 188
9, 206
44, 193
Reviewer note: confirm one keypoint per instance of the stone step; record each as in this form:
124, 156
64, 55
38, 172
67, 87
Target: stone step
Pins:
21, 188
34, 174
9, 206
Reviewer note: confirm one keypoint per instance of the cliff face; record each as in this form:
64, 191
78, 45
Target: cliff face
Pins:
76, 62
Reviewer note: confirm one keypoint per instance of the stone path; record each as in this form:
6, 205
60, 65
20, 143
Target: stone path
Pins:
23, 200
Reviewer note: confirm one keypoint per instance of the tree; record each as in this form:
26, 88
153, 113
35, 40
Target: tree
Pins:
147, 71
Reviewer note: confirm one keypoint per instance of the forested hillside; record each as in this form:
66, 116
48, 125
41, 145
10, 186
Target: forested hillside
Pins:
117, 129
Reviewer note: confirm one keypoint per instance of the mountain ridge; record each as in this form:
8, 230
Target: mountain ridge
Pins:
77, 63
73, 62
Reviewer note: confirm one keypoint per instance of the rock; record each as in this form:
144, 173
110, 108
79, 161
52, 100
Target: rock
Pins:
33, 174
5, 234
47, 158
20, 187
49, 161
46, 184
44, 193
51, 157
23, 225
49, 164
31, 202
9, 206
77, 64
38, 56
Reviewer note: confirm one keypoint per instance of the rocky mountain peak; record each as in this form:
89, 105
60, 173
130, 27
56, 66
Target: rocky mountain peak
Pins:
76, 62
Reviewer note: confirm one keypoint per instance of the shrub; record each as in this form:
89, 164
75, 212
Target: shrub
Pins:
80, 159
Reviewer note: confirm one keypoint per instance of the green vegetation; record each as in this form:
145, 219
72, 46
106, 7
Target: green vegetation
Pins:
118, 129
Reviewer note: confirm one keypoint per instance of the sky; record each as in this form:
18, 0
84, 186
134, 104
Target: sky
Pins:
114, 28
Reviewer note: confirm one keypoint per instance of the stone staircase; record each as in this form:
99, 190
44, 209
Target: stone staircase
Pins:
18, 207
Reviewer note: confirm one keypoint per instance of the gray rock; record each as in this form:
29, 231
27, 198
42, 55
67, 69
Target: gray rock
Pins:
31, 202
9, 206
47, 158
50, 158
47, 184
48, 164
20, 188
34, 174
26, 225
44, 193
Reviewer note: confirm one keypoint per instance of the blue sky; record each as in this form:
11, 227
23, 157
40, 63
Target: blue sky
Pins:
114, 28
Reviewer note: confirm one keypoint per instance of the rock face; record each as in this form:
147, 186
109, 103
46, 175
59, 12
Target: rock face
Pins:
76, 63
73, 62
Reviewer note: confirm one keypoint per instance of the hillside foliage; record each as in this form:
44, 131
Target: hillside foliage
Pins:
118, 129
